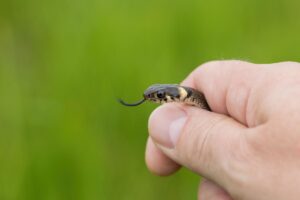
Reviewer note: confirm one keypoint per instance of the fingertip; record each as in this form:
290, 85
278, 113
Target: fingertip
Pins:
160, 123
157, 162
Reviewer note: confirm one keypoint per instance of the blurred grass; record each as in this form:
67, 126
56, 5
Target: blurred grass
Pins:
62, 63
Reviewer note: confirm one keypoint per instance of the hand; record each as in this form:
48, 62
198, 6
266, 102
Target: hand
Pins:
249, 146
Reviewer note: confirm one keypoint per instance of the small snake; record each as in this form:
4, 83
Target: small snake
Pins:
164, 93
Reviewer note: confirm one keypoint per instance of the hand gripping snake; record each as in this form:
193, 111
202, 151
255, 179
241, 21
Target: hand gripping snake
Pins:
165, 93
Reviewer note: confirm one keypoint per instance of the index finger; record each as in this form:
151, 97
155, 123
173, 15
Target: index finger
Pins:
227, 86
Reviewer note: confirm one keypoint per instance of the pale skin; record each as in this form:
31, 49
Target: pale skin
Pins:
249, 146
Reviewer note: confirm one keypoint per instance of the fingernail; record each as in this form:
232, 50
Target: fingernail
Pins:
166, 124
176, 128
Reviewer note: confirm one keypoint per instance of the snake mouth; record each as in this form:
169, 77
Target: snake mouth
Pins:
155, 100
132, 104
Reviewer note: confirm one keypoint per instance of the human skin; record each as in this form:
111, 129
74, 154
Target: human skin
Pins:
248, 147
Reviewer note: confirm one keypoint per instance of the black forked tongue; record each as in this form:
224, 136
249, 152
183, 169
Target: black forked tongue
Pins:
131, 104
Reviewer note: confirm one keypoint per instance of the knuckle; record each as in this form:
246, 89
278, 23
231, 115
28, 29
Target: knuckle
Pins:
290, 63
212, 66
221, 63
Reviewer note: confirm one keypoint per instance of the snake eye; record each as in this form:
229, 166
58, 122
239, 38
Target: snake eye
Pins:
160, 94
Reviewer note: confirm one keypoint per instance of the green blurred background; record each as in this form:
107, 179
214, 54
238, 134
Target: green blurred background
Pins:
63, 63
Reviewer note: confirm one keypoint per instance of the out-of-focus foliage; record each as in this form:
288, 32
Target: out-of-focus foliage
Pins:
64, 62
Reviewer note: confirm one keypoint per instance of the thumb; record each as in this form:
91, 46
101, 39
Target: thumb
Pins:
203, 141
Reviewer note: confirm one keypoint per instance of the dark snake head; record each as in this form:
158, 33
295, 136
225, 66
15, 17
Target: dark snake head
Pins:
164, 93
161, 93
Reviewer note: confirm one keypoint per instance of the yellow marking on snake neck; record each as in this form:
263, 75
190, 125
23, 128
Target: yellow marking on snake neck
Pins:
168, 98
182, 92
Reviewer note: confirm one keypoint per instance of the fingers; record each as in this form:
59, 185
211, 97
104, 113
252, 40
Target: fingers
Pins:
227, 86
218, 144
157, 162
210, 143
203, 141
211, 191
213, 79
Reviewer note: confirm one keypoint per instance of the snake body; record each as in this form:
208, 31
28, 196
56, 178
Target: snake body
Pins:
165, 93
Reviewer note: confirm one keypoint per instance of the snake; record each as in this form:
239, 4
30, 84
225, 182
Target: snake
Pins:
166, 93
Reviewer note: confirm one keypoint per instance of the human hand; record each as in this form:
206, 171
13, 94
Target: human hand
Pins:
249, 146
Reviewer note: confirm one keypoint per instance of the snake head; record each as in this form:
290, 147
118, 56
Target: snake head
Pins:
162, 93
